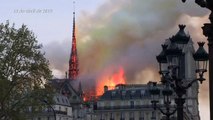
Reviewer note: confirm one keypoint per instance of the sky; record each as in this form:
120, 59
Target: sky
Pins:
111, 34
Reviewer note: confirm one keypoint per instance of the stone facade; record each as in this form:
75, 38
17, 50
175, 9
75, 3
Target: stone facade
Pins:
72, 90
127, 102
61, 106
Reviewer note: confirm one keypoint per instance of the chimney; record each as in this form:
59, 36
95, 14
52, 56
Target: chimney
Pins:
105, 88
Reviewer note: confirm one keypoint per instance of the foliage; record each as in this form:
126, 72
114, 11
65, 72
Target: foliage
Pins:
23, 71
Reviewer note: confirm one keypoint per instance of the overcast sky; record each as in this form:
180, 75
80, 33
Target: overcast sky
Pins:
114, 33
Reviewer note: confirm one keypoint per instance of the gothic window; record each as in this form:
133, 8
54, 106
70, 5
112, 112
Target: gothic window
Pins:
66, 91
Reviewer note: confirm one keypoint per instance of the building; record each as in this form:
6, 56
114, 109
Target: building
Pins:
60, 110
127, 102
68, 88
131, 102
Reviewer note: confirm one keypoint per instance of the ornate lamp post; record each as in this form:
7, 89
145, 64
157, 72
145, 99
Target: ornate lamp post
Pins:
171, 74
167, 93
208, 32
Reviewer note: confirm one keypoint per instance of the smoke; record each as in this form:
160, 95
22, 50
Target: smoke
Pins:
58, 53
127, 34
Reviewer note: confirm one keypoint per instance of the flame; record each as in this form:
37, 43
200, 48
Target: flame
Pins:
89, 95
110, 80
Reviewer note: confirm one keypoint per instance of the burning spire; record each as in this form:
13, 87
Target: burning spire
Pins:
73, 62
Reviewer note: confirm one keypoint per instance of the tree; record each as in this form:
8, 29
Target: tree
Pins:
23, 72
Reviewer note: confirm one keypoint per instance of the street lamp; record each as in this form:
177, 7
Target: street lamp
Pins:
167, 94
162, 60
201, 59
172, 77
207, 31
172, 57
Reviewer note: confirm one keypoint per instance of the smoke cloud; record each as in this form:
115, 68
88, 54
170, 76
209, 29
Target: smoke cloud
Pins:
127, 34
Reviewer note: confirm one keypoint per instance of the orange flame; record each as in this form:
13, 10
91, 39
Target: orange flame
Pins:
111, 81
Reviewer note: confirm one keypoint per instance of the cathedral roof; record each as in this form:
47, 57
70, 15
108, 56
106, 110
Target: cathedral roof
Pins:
58, 83
61, 100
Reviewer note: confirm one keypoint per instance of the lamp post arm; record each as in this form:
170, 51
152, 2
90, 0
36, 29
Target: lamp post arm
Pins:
173, 112
190, 84
167, 113
193, 81
161, 111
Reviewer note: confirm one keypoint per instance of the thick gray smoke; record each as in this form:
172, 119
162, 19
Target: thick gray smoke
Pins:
127, 34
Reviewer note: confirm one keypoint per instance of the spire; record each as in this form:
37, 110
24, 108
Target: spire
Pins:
73, 33
73, 62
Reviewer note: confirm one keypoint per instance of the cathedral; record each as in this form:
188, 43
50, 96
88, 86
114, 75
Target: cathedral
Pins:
70, 86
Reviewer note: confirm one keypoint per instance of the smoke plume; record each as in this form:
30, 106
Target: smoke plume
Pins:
128, 34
